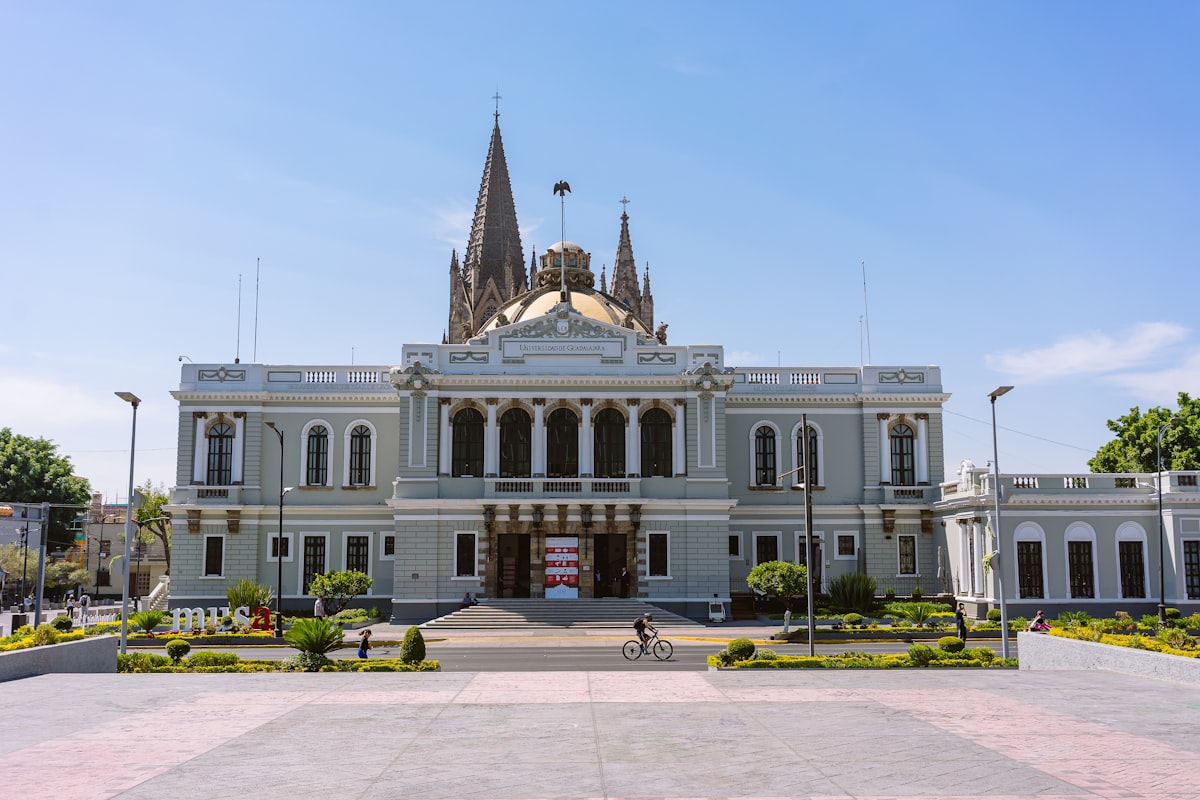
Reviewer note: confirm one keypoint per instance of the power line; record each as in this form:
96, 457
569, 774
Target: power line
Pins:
1021, 433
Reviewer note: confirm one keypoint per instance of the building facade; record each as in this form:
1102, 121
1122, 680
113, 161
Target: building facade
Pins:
553, 439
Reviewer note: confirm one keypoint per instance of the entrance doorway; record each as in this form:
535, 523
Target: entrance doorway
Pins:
610, 557
513, 565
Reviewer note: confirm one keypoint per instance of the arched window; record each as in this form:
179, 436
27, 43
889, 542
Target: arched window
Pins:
515, 449
468, 444
609, 436
360, 456
316, 469
764, 456
814, 460
220, 455
903, 463
656, 444
562, 444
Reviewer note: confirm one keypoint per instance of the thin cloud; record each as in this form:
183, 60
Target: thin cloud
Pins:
1162, 387
1092, 353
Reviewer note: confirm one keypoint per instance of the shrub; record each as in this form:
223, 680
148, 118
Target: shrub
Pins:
339, 588
765, 654
141, 662
305, 661
316, 636
61, 623
852, 619
208, 658
1149, 621
916, 613
951, 644
916, 592
781, 579
984, 655
412, 649
921, 655
1176, 638
249, 594
147, 620
1172, 613
177, 649
45, 634
853, 591
889, 594
993, 615
741, 649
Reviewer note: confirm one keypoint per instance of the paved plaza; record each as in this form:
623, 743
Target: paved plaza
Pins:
929, 734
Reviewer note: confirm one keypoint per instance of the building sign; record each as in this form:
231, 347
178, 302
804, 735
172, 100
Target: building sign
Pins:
604, 348
562, 566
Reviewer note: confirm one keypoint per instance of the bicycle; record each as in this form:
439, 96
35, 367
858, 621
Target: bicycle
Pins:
661, 648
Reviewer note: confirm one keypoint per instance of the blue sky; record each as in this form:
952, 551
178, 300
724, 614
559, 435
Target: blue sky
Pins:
1019, 179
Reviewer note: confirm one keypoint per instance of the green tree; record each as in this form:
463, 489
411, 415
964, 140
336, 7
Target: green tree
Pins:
153, 522
32, 471
782, 579
1134, 448
337, 589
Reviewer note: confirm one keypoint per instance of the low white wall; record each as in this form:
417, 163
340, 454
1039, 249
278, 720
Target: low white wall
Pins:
1039, 651
94, 654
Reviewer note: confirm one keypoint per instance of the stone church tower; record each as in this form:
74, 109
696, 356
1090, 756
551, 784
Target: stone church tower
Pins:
625, 279
493, 269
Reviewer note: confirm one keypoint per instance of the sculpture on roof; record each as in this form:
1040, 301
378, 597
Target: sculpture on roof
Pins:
660, 333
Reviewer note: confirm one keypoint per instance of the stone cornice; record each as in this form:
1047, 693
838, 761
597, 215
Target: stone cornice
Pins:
867, 401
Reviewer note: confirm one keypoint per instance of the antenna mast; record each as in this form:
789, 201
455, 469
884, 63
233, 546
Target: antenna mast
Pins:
237, 354
254, 358
866, 312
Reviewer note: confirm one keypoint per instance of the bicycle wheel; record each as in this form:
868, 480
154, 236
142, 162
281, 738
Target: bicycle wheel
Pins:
632, 650
663, 649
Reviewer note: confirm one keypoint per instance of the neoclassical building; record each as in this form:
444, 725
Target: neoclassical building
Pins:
552, 438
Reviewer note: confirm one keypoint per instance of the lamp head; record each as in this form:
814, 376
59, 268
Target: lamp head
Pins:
129, 397
999, 391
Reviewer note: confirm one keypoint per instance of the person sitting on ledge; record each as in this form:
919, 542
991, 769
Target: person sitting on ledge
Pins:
468, 601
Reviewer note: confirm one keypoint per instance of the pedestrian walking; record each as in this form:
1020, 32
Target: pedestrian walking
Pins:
70, 606
319, 609
364, 642
960, 621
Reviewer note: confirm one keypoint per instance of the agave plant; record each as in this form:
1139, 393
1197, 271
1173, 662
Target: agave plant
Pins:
313, 638
147, 620
249, 594
918, 614
853, 591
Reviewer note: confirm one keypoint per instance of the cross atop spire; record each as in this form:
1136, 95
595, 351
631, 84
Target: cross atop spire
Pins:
497, 98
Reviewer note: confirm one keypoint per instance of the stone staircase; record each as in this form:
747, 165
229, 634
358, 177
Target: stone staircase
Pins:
606, 613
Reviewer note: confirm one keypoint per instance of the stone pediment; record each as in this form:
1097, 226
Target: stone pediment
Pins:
566, 323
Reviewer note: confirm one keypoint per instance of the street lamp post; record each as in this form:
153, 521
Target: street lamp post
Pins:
279, 541
135, 401
1162, 552
999, 392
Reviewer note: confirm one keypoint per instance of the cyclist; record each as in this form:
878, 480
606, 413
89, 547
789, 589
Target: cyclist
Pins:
642, 625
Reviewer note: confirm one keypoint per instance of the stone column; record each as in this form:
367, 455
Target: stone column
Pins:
537, 439
885, 450
587, 466
633, 439
678, 444
491, 441
922, 445
444, 438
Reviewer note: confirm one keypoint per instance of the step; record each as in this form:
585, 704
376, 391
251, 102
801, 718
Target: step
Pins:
543, 614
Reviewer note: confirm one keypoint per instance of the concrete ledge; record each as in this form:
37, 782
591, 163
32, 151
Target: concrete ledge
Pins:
1041, 652
93, 654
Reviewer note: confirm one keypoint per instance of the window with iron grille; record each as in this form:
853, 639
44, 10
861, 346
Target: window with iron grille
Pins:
1080, 565
283, 543
389, 545
358, 550
658, 554
316, 472
907, 548
764, 456
845, 544
562, 444
766, 548
467, 456
220, 455
608, 435
656, 444
1029, 569
360, 456
515, 449
1133, 569
735, 545
1191, 567
903, 462
464, 555
314, 560
814, 476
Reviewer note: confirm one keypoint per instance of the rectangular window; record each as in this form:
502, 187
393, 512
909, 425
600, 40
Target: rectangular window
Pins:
658, 562
735, 545
358, 553
214, 556
314, 561
1079, 563
847, 545
464, 555
103, 578
1029, 569
389, 546
285, 544
766, 548
906, 546
1133, 569
1191, 568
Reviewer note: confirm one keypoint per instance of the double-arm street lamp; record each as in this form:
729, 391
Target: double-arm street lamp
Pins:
999, 392
135, 401
1162, 552
279, 541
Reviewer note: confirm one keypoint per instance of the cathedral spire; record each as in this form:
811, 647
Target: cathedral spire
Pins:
625, 277
494, 262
